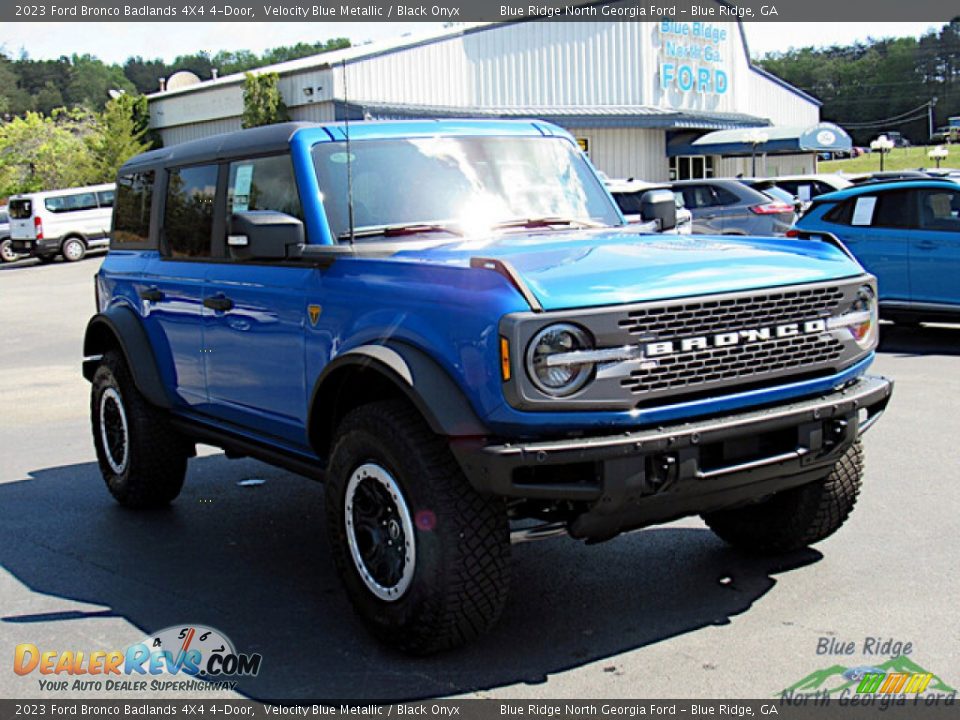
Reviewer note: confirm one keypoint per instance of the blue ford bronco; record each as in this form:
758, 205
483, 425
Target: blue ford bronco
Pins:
452, 326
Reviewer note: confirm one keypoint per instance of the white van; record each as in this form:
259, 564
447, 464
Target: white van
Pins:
61, 222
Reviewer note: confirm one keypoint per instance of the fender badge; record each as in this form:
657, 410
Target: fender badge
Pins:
314, 312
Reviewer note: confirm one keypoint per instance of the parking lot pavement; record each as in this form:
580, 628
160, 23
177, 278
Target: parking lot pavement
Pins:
667, 612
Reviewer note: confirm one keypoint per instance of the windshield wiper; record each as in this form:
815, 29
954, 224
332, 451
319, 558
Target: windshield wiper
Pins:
548, 221
399, 230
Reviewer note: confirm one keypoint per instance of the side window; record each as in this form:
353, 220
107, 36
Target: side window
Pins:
725, 197
940, 210
188, 215
698, 196
629, 202
71, 203
131, 215
105, 198
840, 214
265, 183
894, 210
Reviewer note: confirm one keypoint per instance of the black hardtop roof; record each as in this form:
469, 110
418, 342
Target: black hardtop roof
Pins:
255, 141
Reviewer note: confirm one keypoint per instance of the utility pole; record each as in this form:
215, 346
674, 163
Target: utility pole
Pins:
930, 106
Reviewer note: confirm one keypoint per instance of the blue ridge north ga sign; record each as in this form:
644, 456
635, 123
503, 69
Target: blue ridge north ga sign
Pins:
691, 53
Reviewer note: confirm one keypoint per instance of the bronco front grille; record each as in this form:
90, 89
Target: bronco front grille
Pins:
731, 314
688, 371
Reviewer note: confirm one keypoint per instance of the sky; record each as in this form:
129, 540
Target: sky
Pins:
115, 42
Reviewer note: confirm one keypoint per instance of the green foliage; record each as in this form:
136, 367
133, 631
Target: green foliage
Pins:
262, 102
47, 152
121, 131
879, 79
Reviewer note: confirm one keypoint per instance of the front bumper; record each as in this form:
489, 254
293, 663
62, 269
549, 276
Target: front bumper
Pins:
659, 474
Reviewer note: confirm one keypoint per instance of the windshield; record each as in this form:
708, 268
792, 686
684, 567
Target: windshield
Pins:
470, 183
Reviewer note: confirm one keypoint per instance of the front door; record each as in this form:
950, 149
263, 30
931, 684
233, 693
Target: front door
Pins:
935, 248
254, 332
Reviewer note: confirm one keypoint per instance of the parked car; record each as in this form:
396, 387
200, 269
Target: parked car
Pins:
728, 207
344, 311
7, 253
897, 138
807, 187
906, 233
629, 196
768, 188
65, 222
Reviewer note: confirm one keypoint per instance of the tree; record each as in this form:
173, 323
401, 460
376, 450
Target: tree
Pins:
46, 153
120, 135
91, 82
262, 102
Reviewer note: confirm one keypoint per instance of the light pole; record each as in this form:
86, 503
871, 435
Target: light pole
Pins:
937, 154
755, 138
883, 145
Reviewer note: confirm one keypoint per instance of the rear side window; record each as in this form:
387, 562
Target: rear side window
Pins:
4, 218
71, 203
21, 209
188, 216
725, 197
265, 183
131, 214
698, 196
105, 198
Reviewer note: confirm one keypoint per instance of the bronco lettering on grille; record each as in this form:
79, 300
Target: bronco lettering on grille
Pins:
729, 339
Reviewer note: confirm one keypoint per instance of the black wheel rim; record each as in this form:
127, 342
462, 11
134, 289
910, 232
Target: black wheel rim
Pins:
379, 532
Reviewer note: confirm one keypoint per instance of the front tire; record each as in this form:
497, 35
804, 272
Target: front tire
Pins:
142, 459
73, 249
423, 556
798, 517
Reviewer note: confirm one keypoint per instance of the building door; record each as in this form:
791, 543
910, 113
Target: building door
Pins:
691, 167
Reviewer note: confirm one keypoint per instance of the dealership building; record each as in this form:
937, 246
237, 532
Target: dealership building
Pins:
648, 100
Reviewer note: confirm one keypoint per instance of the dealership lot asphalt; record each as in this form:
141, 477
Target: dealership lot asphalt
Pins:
667, 612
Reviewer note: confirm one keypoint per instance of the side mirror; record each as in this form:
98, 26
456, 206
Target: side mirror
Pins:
263, 235
659, 205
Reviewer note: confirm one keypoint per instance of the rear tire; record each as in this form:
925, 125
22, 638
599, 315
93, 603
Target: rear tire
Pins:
798, 517
7, 254
73, 249
142, 459
393, 486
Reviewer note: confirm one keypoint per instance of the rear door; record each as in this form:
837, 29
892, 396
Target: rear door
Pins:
21, 219
935, 248
876, 228
702, 203
255, 323
173, 281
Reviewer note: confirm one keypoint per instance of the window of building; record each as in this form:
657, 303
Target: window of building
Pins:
691, 167
131, 216
188, 216
265, 183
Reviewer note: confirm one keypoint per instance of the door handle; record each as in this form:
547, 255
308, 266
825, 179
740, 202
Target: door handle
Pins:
219, 302
152, 294
927, 245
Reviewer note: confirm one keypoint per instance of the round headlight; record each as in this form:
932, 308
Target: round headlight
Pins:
552, 374
865, 333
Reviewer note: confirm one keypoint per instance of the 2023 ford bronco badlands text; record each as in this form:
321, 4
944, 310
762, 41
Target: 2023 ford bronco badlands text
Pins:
450, 324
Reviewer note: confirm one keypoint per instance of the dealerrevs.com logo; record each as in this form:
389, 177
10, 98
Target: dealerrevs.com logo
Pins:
200, 657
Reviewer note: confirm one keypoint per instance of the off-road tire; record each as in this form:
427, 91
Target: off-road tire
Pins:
73, 249
7, 254
794, 518
461, 570
156, 455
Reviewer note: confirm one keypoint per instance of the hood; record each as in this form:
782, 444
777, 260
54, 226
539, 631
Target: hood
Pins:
585, 268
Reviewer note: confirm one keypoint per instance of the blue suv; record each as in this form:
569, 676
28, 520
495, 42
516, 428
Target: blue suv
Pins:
907, 233
452, 326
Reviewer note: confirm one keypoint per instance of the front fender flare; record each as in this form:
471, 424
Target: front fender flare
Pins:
119, 326
415, 374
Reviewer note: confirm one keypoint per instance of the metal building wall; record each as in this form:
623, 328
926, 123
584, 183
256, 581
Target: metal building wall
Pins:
627, 152
194, 131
